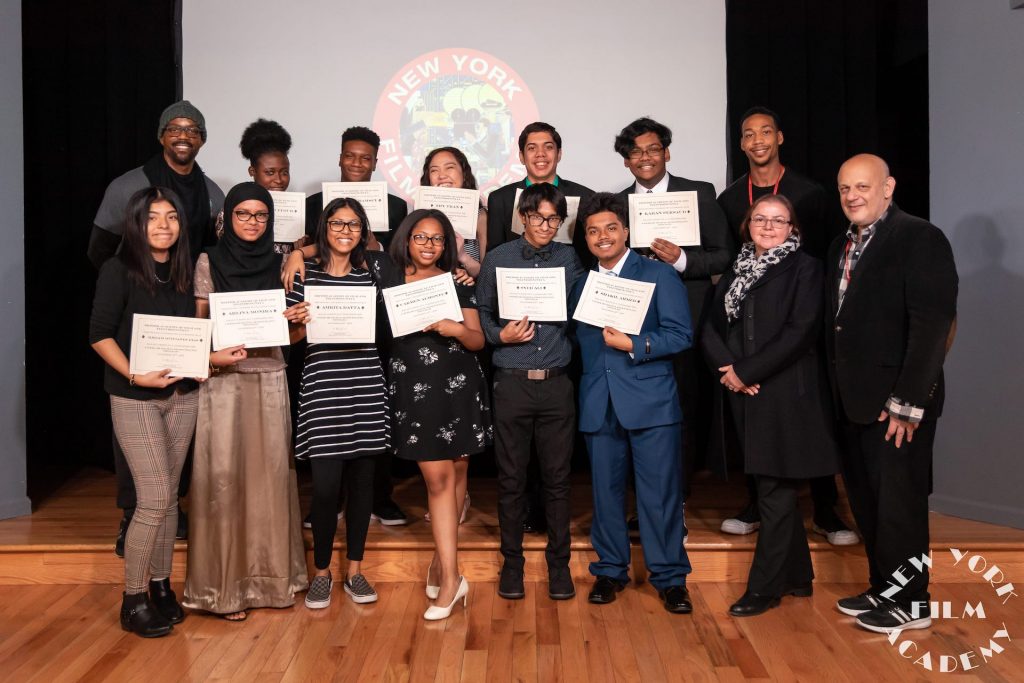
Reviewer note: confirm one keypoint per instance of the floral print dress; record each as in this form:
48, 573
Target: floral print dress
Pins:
441, 407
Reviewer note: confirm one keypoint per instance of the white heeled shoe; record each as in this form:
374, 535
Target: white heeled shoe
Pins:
432, 591
435, 613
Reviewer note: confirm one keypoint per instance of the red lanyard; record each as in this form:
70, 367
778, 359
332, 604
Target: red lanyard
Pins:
750, 186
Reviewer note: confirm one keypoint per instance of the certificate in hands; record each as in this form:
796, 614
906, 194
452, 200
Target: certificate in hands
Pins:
614, 302
289, 215
341, 315
534, 293
413, 306
372, 195
251, 318
165, 341
672, 216
461, 206
565, 230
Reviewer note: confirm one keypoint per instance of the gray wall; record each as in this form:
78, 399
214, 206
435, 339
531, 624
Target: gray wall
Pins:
13, 501
976, 79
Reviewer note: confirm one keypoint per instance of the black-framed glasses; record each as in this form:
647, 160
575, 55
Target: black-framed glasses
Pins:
760, 221
345, 226
177, 131
245, 216
420, 238
653, 151
536, 220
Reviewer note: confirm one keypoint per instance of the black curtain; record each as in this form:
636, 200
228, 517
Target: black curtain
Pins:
96, 77
845, 76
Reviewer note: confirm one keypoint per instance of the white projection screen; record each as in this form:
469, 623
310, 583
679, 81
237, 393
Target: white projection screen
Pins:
469, 75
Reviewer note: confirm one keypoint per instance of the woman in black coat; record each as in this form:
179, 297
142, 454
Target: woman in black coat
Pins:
761, 334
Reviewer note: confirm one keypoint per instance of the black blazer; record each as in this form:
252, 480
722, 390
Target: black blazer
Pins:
889, 336
716, 249
501, 205
786, 429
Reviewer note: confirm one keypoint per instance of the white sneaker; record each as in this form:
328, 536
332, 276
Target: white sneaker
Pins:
739, 527
840, 537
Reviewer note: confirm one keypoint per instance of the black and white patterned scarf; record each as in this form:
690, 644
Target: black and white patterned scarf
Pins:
749, 269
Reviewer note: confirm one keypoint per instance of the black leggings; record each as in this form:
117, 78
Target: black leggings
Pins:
323, 514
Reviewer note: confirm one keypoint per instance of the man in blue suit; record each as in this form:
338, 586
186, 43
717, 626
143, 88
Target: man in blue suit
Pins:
629, 403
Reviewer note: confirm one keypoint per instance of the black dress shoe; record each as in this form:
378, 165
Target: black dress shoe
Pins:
633, 524
165, 601
604, 590
751, 604
139, 616
510, 583
676, 599
181, 533
122, 532
560, 586
804, 590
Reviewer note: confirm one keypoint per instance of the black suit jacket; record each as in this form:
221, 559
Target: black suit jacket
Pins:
889, 336
397, 211
716, 250
501, 205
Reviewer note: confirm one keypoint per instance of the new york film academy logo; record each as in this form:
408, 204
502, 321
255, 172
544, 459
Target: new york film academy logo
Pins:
999, 597
454, 97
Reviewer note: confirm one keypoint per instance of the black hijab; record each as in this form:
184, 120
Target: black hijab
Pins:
194, 195
240, 266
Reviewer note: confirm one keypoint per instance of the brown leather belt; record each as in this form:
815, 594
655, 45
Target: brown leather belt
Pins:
536, 375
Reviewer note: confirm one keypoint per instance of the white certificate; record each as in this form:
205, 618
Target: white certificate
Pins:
609, 301
160, 342
534, 293
289, 215
251, 318
413, 306
461, 206
372, 195
341, 315
672, 216
565, 230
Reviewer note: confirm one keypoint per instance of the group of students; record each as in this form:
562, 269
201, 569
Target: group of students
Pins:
425, 397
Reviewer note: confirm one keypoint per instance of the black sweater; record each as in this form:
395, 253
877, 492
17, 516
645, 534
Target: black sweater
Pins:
117, 299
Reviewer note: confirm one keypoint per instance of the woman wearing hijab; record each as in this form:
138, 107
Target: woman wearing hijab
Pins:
245, 546
761, 335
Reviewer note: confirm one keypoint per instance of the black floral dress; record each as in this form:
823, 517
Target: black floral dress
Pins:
441, 407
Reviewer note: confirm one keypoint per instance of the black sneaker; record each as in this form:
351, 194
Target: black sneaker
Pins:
859, 604
122, 531
894, 617
560, 585
389, 514
319, 594
181, 533
746, 522
307, 521
510, 583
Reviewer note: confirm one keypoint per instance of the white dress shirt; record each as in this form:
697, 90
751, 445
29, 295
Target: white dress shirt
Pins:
662, 186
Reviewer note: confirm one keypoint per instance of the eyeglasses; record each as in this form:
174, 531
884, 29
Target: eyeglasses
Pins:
345, 226
436, 240
177, 131
246, 216
536, 220
654, 152
760, 221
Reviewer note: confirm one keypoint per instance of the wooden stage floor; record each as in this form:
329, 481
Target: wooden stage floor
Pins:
59, 593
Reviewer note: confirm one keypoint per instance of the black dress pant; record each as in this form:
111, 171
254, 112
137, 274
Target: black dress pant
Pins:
888, 489
126, 485
542, 413
824, 494
782, 559
323, 515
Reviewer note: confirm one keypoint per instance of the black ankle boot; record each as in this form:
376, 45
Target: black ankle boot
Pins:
165, 601
139, 616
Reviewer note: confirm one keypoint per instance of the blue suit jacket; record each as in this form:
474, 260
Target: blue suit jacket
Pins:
642, 388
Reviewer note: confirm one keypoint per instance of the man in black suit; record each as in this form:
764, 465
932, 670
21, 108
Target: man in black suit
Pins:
644, 148
358, 161
540, 150
891, 306
760, 139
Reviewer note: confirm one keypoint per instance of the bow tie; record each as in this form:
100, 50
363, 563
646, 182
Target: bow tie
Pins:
544, 253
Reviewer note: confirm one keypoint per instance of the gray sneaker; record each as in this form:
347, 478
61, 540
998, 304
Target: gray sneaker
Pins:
360, 590
319, 594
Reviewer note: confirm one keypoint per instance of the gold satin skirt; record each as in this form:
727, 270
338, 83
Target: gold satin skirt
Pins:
245, 547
